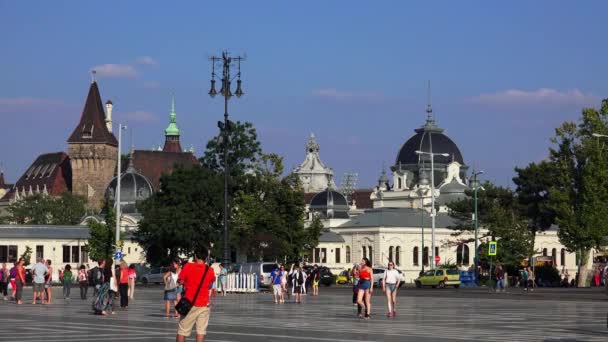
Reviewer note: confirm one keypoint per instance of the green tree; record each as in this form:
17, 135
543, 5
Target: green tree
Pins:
67, 209
102, 236
27, 256
184, 215
500, 219
579, 192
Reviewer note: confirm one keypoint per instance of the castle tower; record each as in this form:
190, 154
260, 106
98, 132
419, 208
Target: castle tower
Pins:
172, 132
93, 151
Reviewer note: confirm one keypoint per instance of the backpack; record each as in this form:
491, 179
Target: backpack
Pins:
300, 278
95, 278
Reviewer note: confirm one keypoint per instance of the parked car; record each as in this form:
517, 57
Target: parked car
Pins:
439, 278
379, 275
342, 278
154, 276
326, 277
262, 269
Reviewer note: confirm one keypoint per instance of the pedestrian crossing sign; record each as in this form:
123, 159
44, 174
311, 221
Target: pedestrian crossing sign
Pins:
492, 248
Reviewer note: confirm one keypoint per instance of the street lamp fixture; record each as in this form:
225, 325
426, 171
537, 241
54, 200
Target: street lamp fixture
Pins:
432, 157
475, 185
226, 61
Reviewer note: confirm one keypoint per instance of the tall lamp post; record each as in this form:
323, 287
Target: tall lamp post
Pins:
475, 184
226, 126
117, 254
432, 157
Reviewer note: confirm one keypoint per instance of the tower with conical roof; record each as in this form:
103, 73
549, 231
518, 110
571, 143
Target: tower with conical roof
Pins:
172, 132
93, 150
313, 173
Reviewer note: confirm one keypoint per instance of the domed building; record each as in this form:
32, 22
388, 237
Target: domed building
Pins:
134, 187
412, 171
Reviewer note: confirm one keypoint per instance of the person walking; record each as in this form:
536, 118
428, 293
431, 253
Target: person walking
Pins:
355, 281
123, 285
132, 279
196, 277
525, 276
48, 278
315, 280
500, 279
39, 271
171, 285
66, 280
96, 277
283, 283
19, 281
104, 301
223, 275
596, 276
5, 278
13, 280
275, 278
390, 284
366, 289
299, 282
83, 282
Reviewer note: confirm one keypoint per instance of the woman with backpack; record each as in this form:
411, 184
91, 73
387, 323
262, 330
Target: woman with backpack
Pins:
83, 282
171, 288
299, 282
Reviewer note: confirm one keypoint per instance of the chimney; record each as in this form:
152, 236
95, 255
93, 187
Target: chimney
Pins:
109, 106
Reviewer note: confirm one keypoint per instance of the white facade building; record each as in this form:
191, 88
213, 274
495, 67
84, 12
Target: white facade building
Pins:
313, 173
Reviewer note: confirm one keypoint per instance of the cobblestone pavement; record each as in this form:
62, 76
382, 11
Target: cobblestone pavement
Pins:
423, 315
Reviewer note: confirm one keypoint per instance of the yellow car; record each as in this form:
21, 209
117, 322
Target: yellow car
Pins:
439, 278
342, 278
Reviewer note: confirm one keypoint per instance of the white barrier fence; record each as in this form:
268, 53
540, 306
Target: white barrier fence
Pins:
240, 283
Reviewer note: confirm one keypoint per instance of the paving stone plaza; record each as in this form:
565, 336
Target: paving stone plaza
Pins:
423, 315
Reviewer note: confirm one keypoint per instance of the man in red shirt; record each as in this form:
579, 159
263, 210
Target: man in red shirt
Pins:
190, 277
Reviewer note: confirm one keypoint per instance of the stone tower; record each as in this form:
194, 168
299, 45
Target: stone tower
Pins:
172, 132
93, 151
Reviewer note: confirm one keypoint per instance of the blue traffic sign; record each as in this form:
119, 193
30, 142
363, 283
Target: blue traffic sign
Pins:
118, 255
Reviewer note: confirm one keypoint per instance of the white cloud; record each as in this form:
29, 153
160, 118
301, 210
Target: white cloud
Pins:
543, 97
25, 103
140, 116
146, 60
338, 95
115, 71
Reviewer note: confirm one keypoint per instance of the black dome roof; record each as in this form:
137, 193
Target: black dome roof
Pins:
320, 199
422, 140
134, 187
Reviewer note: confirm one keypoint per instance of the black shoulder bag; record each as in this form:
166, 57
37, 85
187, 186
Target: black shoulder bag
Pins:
184, 305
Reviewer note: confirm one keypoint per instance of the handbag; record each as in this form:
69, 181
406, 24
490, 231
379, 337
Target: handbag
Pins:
184, 305
171, 284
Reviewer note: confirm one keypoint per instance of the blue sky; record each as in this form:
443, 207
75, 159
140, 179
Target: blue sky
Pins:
504, 74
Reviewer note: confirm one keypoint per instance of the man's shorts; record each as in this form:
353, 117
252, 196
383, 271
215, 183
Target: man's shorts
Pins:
38, 287
198, 315
277, 289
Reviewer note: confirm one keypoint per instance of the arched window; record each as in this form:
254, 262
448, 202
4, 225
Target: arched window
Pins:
416, 263
562, 258
462, 254
390, 253
544, 252
554, 256
369, 248
364, 252
425, 256
348, 254
398, 255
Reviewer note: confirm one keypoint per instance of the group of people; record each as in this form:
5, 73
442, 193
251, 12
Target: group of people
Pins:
111, 283
294, 280
363, 287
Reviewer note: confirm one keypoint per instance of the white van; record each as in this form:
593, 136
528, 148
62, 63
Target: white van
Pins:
262, 269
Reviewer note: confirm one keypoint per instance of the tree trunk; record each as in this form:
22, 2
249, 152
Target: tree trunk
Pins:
582, 268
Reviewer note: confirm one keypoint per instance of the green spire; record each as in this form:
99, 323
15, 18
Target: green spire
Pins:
172, 128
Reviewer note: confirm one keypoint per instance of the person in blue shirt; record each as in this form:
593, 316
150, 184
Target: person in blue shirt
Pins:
223, 273
275, 277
